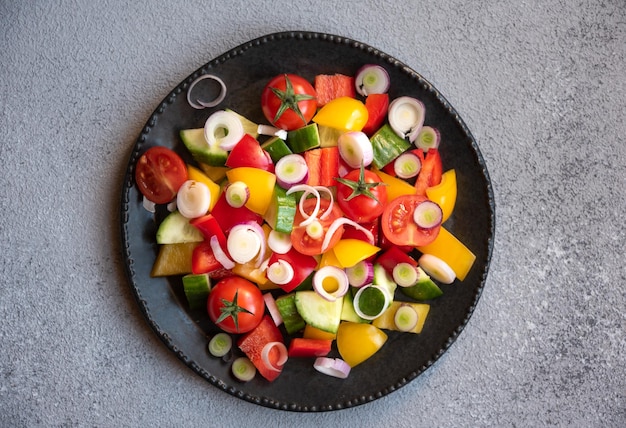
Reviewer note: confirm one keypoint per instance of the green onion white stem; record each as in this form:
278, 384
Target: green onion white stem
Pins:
438, 269
223, 129
193, 199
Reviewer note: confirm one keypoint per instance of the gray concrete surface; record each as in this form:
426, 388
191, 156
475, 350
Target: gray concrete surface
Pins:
541, 85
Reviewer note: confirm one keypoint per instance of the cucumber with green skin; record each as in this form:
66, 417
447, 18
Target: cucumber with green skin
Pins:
424, 289
276, 148
292, 320
200, 150
281, 211
197, 288
319, 312
175, 229
302, 139
387, 146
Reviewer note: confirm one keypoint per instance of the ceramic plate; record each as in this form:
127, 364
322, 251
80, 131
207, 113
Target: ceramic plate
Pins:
245, 70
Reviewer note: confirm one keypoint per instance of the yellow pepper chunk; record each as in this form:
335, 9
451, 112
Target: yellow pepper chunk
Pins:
387, 319
196, 174
444, 194
329, 259
351, 251
311, 332
343, 113
395, 186
356, 342
259, 182
452, 251
173, 259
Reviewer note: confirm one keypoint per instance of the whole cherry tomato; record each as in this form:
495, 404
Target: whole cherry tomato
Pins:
289, 101
361, 195
236, 305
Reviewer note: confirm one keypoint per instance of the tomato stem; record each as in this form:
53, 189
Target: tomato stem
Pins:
231, 309
289, 100
360, 187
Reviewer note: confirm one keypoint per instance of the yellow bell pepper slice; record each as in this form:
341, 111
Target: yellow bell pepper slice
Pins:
196, 174
260, 183
356, 342
387, 319
343, 113
395, 186
444, 194
311, 332
173, 259
351, 251
452, 251
329, 259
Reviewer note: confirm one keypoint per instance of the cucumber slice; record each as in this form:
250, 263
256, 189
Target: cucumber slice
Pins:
197, 288
384, 280
387, 146
303, 139
319, 312
292, 320
424, 289
276, 148
281, 210
175, 229
200, 150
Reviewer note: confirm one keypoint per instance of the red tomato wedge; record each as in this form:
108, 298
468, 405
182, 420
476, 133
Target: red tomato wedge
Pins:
432, 169
300, 347
248, 152
302, 242
253, 342
331, 86
159, 173
398, 226
377, 106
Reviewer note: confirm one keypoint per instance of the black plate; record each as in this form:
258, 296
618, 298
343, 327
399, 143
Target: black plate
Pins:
245, 70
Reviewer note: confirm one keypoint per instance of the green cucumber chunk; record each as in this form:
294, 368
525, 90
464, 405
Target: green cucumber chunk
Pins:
347, 311
281, 210
302, 139
292, 320
329, 137
319, 312
197, 288
200, 150
175, 229
387, 146
276, 148
424, 289
384, 280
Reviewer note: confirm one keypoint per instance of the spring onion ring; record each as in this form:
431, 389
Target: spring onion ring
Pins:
199, 105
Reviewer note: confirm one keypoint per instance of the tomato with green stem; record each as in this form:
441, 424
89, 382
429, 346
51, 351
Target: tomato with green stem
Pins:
236, 305
361, 195
288, 101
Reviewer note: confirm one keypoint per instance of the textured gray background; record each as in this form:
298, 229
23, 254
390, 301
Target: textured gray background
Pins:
541, 85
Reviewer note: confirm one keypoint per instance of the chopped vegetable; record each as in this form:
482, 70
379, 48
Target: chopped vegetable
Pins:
334, 367
243, 369
427, 138
437, 268
331, 282
223, 129
355, 149
360, 274
372, 79
220, 344
406, 117
237, 194
198, 104
291, 170
405, 318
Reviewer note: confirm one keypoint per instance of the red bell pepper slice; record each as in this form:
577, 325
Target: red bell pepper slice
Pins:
203, 260
303, 265
253, 342
392, 256
300, 347
249, 153
208, 226
331, 86
431, 171
227, 216
377, 106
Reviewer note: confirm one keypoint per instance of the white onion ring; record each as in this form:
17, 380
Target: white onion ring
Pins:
220, 254
340, 222
285, 272
223, 119
282, 359
335, 367
308, 190
272, 308
334, 272
201, 104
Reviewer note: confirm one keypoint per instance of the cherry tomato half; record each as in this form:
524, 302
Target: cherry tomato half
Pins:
398, 226
302, 242
159, 173
236, 305
292, 94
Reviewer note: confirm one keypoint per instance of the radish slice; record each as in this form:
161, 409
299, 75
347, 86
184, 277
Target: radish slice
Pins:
331, 283
335, 225
291, 170
280, 272
279, 242
406, 117
244, 243
438, 269
371, 79
360, 274
405, 318
335, 367
223, 129
427, 214
407, 165
272, 131
219, 253
193, 199
282, 355
404, 274
427, 138
355, 148
199, 105
237, 194
272, 308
